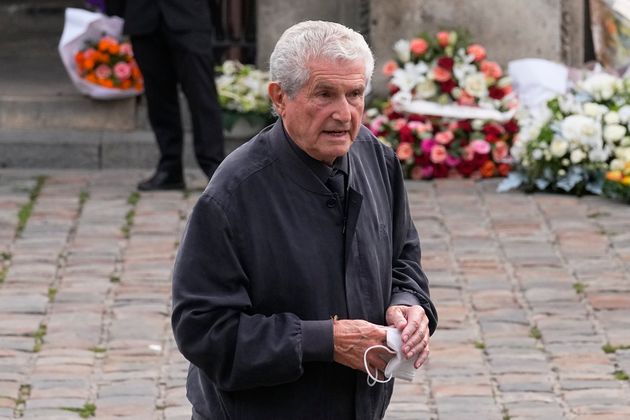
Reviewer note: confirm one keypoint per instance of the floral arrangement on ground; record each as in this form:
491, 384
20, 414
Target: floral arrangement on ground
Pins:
581, 144
446, 72
242, 90
109, 63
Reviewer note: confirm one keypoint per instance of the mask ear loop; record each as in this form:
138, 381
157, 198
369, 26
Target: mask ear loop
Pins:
373, 379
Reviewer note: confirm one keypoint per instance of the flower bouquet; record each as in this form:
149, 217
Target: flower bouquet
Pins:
109, 63
242, 91
450, 109
98, 64
582, 137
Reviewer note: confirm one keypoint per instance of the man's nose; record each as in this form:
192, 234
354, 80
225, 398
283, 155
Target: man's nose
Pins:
342, 110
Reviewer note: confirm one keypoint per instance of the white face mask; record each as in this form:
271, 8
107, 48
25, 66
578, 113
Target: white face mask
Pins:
398, 366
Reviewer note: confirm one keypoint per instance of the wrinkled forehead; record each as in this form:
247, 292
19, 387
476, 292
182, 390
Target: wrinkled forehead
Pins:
340, 70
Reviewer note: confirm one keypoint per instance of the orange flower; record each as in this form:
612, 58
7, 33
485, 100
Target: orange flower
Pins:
488, 169
88, 64
418, 46
390, 67
614, 176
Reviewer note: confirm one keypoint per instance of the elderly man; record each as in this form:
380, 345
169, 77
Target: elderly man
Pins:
300, 250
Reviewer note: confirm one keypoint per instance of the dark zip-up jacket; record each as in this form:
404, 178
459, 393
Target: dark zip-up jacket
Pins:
267, 260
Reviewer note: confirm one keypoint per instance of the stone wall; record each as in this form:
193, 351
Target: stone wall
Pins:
510, 29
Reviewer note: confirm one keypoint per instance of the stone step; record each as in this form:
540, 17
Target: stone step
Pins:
88, 149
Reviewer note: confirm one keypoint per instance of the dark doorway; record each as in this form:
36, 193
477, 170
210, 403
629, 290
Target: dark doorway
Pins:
234, 30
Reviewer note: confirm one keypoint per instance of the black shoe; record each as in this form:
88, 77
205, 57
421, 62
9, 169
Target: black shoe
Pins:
163, 180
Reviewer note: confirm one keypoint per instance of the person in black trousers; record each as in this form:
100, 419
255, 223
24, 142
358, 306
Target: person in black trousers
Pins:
172, 44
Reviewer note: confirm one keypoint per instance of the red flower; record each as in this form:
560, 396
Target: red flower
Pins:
466, 167
446, 63
406, 135
417, 117
504, 169
496, 93
393, 89
493, 129
448, 86
464, 125
440, 170
511, 126
488, 169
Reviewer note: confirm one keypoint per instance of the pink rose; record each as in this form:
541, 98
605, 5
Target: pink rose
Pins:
438, 154
468, 153
419, 127
444, 137
452, 161
103, 72
399, 123
500, 151
491, 69
426, 172
476, 51
125, 49
416, 172
443, 38
404, 151
122, 71
466, 99
389, 68
418, 46
427, 145
440, 74
377, 123
479, 146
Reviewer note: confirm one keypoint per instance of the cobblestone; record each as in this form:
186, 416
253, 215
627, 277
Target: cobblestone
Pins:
529, 288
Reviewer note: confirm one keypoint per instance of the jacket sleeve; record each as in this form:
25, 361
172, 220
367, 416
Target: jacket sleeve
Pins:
410, 285
212, 320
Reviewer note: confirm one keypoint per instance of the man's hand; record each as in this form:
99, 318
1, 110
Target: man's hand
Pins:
352, 337
414, 327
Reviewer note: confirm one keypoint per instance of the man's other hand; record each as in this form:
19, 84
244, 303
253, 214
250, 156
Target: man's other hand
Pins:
414, 327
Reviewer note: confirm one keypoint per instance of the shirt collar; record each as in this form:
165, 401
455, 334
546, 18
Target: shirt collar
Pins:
321, 170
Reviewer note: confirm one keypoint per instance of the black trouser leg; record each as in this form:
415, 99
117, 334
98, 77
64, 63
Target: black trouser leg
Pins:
156, 63
196, 75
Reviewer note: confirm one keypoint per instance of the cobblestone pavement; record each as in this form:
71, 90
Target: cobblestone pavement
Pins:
532, 293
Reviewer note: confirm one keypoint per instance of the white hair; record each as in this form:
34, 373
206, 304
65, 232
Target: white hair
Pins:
311, 40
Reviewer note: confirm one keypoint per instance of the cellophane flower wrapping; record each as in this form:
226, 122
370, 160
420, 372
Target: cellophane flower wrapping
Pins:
97, 61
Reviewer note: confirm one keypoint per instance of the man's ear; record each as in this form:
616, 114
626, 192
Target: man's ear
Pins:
278, 97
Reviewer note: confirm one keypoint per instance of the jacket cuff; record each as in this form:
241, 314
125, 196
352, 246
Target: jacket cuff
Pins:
317, 341
404, 298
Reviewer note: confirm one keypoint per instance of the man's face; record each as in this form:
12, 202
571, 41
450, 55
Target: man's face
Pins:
325, 116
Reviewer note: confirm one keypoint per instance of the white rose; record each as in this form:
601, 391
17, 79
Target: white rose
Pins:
600, 85
537, 154
577, 156
475, 85
616, 165
591, 109
624, 114
611, 118
625, 142
598, 155
477, 125
583, 130
562, 172
401, 48
614, 132
565, 162
559, 147
426, 89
